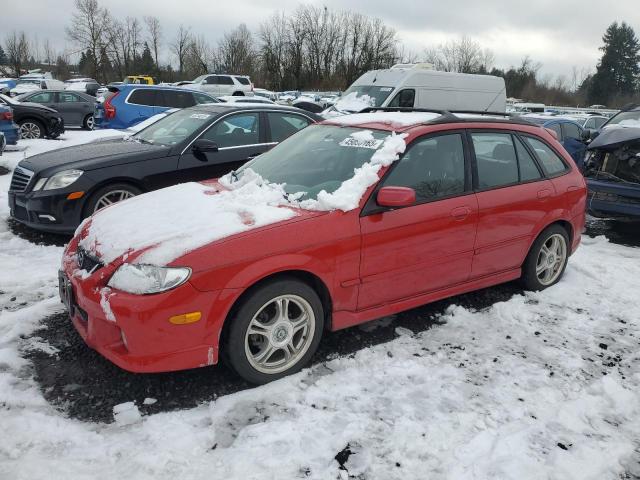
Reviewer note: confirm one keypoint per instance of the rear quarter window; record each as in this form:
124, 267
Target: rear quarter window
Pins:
551, 162
243, 80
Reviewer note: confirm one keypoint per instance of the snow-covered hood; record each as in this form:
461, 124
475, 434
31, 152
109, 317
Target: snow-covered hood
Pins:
166, 224
615, 135
24, 88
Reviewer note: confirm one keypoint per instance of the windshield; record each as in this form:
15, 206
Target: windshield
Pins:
631, 117
377, 93
200, 78
320, 157
174, 128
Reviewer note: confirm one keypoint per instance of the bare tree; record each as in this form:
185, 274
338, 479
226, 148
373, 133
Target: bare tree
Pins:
180, 46
154, 30
18, 52
236, 51
49, 54
88, 30
464, 55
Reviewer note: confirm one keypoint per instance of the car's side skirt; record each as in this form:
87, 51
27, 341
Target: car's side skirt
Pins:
344, 319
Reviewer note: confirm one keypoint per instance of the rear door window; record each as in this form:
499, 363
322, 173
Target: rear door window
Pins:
284, 125
225, 80
243, 80
143, 97
551, 163
176, 99
235, 130
528, 168
67, 97
496, 159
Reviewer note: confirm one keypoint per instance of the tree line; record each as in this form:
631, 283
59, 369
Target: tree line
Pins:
311, 48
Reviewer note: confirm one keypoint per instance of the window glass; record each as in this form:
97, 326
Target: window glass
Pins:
404, 99
176, 99
200, 98
496, 159
235, 130
243, 80
44, 97
433, 167
174, 128
591, 123
528, 168
599, 122
556, 128
66, 97
551, 162
211, 80
569, 130
225, 80
143, 97
284, 125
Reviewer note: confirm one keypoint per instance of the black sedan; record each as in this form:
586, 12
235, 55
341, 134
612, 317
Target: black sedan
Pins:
34, 120
75, 108
55, 191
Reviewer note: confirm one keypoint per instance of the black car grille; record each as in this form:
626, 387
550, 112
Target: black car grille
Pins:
20, 180
88, 262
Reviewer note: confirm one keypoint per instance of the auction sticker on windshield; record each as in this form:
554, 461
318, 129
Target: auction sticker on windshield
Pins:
200, 116
373, 144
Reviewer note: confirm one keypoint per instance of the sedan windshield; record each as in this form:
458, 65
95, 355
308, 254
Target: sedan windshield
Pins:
174, 128
320, 157
630, 118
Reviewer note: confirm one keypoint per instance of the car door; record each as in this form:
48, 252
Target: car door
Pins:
513, 198
73, 108
572, 142
239, 136
226, 85
429, 245
142, 103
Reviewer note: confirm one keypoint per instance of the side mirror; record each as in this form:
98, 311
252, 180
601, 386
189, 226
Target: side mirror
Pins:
204, 145
395, 197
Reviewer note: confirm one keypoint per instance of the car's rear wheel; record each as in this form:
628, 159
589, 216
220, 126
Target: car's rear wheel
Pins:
275, 331
546, 262
88, 123
30, 129
109, 195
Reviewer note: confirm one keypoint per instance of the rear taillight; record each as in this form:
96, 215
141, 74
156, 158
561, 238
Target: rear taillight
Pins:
6, 116
109, 109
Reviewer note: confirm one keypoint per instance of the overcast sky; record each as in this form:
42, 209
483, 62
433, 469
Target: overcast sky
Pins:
559, 34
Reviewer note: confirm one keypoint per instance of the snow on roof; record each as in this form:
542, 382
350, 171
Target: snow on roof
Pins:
399, 119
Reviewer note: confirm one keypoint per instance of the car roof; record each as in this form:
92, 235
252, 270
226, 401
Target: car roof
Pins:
221, 108
402, 119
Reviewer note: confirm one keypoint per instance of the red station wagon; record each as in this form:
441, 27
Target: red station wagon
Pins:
346, 221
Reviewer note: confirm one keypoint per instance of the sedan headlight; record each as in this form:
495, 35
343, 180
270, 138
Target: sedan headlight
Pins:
59, 180
143, 279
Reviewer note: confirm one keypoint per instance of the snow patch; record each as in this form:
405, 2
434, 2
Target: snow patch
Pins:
354, 102
397, 119
105, 294
126, 414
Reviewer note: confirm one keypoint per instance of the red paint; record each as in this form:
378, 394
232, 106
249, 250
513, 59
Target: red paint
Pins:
371, 265
396, 197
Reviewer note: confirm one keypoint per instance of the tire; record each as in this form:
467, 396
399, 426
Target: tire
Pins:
282, 336
112, 192
547, 260
238, 94
31, 128
87, 123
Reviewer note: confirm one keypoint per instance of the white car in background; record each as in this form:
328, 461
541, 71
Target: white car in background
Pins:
262, 92
221, 85
32, 82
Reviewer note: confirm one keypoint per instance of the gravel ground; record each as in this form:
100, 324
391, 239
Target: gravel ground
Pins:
82, 384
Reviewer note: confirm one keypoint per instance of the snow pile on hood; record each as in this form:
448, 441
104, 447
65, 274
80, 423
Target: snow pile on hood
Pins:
348, 195
179, 219
354, 102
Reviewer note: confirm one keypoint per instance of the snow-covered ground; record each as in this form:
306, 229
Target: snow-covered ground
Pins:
544, 385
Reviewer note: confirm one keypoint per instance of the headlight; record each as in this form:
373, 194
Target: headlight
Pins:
141, 279
59, 180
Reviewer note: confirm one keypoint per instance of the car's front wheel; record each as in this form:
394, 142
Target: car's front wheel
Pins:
547, 259
109, 195
275, 331
30, 129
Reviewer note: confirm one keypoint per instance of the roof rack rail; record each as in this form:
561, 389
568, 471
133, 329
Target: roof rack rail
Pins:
402, 109
481, 112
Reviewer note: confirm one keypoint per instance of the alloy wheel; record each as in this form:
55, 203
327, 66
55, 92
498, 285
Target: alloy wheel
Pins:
279, 334
114, 196
89, 122
551, 259
29, 130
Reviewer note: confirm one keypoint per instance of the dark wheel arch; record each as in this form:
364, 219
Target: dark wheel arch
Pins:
100, 189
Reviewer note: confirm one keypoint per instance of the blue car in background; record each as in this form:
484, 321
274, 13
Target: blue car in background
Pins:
6, 84
10, 130
129, 104
569, 134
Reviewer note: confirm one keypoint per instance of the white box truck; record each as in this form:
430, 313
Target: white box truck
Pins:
419, 86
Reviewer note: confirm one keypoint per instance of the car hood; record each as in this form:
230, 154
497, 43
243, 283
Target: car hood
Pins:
24, 89
162, 226
90, 156
37, 106
614, 136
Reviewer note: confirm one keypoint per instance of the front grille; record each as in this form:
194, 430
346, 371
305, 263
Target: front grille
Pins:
88, 262
20, 180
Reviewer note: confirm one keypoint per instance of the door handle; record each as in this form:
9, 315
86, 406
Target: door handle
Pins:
542, 194
252, 156
460, 213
